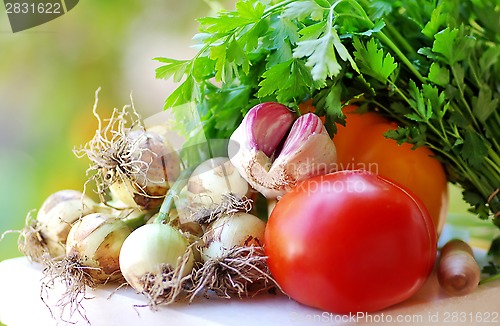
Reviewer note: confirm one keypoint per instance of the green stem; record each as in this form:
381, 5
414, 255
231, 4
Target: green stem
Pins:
349, 15
490, 279
474, 178
430, 143
494, 156
442, 137
385, 39
135, 222
496, 150
272, 9
461, 90
497, 117
401, 40
361, 10
456, 161
495, 167
172, 194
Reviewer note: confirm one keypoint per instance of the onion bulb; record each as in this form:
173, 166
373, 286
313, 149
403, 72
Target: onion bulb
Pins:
136, 164
47, 233
156, 163
212, 179
215, 187
95, 242
156, 260
233, 261
92, 250
232, 231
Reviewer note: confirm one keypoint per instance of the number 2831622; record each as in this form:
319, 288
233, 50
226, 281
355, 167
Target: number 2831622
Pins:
33, 8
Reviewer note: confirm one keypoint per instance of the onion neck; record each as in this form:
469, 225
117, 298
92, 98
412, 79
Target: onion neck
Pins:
135, 222
163, 216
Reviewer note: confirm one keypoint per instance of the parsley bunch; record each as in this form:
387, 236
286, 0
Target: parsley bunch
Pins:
434, 66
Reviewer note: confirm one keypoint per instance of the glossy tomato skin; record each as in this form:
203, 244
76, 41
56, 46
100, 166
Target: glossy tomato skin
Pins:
350, 241
361, 145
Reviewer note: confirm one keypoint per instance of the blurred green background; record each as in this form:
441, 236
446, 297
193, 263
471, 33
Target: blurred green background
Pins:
48, 76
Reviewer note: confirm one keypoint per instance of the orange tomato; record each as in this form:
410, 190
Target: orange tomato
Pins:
362, 145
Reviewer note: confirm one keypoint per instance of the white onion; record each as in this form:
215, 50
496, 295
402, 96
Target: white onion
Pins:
148, 249
230, 231
48, 233
154, 164
234, 263
211, 180
95, 242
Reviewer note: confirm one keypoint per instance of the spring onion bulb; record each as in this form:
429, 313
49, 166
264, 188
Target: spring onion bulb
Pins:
136, 164
156, 260
95, 242
47, 233
215, 187
92, 250
156, 163
233, 261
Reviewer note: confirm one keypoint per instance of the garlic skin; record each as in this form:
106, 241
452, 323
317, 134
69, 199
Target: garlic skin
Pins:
56, 216
155, 164
230, 231
307, 150
95, 242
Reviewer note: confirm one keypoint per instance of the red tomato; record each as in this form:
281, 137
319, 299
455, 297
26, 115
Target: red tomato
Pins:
362, 145
350, 241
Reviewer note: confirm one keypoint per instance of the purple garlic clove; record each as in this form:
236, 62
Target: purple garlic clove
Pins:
307, 150
267, 124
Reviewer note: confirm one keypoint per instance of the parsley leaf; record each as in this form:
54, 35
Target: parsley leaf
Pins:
174, 69
321, 52
321, 56
452, 44
372, 61
302, 10
289, 80
474, 149
188, 91
439, 75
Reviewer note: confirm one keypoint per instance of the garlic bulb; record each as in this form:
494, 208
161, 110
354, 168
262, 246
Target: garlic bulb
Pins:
255, 151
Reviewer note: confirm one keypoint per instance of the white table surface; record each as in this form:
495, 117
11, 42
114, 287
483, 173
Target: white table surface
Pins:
20, 305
